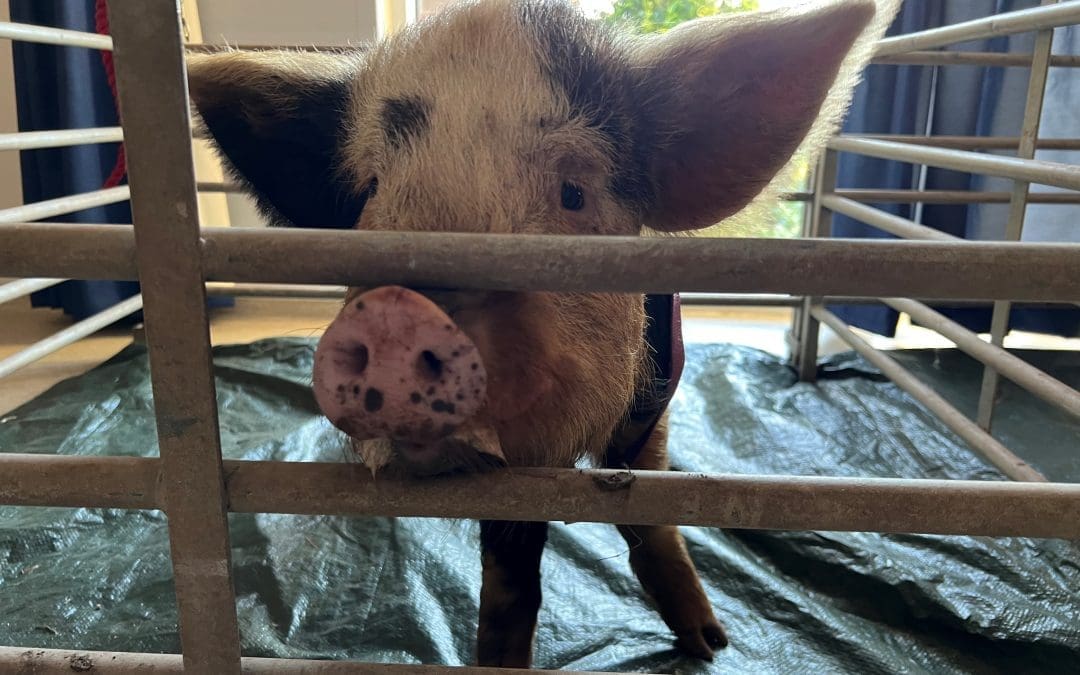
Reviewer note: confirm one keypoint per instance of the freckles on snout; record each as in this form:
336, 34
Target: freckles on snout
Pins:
393, 365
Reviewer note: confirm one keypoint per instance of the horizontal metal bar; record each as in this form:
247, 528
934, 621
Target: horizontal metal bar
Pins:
740, 299
973, 270
1049, 389
297, 291
302, 291
1031, 170
31, 140
1007, 23
925, 58
940, 197
17, 289
971, 142
734, 501
72, 333
62, 205
31, 660
217, 186
81, 251
901, 227
25, 32
980, 441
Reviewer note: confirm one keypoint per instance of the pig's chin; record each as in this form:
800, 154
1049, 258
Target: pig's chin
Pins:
392, 458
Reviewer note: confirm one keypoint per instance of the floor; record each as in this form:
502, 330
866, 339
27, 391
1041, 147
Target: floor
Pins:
257, 318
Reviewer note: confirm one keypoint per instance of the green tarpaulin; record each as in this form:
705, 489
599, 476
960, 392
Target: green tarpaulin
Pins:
406, 590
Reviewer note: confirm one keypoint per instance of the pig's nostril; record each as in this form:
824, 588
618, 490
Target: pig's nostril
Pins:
429, 366
358, 359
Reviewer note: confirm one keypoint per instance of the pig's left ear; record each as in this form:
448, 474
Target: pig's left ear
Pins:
278, 120
733, 97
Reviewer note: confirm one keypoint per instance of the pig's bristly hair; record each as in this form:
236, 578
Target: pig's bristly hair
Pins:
471, 144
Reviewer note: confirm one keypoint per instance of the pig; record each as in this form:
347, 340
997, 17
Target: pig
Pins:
524, 116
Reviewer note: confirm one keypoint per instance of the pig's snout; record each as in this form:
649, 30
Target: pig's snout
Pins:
394, 365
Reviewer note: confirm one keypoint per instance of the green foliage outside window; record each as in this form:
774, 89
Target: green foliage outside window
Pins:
657, 16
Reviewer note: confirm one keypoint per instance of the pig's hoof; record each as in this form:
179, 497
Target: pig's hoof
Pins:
703, 640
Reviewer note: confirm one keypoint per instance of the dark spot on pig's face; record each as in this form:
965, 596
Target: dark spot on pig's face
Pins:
429, 366
415, 397
441, 406
579, 57
373, 400
357, 360
404, 119
359, 305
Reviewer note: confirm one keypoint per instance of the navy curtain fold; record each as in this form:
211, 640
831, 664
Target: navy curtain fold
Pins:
963, 101
65, 88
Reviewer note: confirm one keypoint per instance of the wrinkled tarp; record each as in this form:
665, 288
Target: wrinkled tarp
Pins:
406, 590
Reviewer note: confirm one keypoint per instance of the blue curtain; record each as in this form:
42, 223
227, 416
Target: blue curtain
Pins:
62, 88
964, 101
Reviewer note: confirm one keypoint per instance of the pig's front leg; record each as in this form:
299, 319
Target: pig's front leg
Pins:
510, 592
662, 564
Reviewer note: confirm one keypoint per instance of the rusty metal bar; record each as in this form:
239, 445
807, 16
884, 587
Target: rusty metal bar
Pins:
1049, 389
734, 501
901, 227
994, 59
974, 270
154, 105
980, 441
1045, 17
1030, 272
32, 140
33, 661
69, 335
1014, 226
865, 195
61, 205
17, 289
1034, 171
25, 32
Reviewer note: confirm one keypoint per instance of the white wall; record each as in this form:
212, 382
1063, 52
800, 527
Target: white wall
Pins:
10, 176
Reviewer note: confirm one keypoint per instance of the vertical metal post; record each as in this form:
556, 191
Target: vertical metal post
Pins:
152, 84
806, 327
999, 322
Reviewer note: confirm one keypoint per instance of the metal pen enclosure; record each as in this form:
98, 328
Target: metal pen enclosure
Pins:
178, 265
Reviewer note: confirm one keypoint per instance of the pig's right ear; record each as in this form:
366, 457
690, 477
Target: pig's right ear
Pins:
732, 97
278, 121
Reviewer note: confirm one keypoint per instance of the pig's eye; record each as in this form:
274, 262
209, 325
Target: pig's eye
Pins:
573, 199
372, 187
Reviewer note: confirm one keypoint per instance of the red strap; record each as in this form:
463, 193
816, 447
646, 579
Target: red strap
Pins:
101, 27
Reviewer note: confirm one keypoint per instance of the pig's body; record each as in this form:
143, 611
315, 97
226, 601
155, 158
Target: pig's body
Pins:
502, 116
